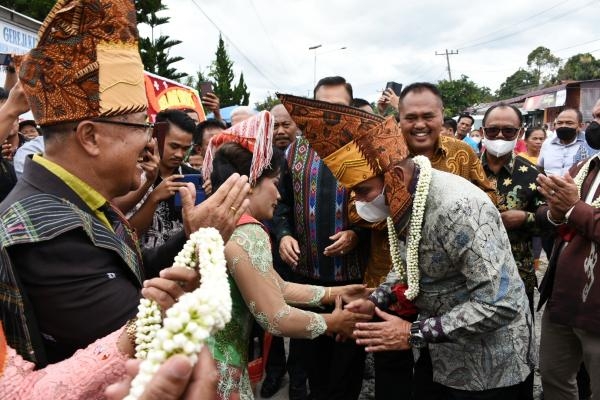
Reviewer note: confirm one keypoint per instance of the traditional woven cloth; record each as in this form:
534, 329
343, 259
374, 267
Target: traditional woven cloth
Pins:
376, 144
254, 134
86, 64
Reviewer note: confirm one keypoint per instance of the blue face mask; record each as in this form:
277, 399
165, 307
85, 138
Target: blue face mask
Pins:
373, 211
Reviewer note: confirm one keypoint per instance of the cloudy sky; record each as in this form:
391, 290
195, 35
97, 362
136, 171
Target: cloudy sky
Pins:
384, 40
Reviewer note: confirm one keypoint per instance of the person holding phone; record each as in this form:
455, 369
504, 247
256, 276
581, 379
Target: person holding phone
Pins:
158, 215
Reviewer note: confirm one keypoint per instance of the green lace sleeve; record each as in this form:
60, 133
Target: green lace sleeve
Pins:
250, 262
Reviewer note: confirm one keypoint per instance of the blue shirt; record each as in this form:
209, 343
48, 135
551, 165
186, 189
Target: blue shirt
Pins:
34, 146
474, 145
557, 158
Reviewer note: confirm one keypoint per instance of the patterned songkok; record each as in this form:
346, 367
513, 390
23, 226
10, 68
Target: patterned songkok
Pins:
86, 64
354, 144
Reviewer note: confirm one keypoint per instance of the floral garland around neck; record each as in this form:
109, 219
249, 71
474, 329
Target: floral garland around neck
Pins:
409, 273
580, 177
195, 316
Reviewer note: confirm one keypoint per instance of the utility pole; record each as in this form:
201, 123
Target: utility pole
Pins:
314, 49
447, 54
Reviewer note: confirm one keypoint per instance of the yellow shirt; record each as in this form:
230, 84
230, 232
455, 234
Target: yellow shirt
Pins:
89, 195
533, 159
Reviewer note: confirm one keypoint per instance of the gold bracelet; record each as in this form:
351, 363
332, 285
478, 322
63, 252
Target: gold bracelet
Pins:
130, 330
329, 293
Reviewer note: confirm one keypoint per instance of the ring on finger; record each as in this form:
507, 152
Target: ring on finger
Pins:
232, 208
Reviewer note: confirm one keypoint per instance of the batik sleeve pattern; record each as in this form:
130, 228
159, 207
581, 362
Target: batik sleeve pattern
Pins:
264, 291
383, 297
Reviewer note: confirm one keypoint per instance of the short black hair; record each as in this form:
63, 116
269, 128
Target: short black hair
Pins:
450, 123
357, 103
3, 94
461, 116
501, 105
579, 114
334, 81
233, 158
204, 125
178, 118
419, 87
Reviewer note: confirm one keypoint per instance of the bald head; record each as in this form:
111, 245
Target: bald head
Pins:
285, 129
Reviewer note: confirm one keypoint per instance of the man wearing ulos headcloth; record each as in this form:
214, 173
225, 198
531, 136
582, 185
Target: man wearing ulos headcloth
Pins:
70, 267
473, 311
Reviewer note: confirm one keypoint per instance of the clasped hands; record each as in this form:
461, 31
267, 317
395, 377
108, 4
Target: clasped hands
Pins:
560, 192
391, 333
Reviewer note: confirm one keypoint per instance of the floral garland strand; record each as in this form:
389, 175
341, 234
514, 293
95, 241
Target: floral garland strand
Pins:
580, 177
196, 315
149, 317
414, 232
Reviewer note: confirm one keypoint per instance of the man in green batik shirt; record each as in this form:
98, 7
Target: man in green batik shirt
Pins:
514, 179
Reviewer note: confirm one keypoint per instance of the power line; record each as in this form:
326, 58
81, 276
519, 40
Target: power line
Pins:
448, 54
576, 45
516, 23
274, 85
262, 25
537, 25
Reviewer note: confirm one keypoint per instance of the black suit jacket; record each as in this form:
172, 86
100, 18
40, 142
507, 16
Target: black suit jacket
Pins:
76, 290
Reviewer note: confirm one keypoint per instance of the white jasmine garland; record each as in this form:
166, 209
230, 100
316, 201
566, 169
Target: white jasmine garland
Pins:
409, 273
195, 316
580, 177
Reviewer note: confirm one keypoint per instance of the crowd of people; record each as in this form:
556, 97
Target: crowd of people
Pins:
350, 228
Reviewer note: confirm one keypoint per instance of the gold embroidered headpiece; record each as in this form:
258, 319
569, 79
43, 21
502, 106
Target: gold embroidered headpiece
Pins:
86, 63
354, 144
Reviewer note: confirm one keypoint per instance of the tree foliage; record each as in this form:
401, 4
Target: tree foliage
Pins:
580, 67
543, 63
36, 9
268, 103
517, 84
155, 51
222, 73
461, 93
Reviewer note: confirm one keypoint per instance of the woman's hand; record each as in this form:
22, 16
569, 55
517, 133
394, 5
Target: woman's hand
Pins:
173, 283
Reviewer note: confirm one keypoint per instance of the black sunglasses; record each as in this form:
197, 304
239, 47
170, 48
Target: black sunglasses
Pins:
508, 133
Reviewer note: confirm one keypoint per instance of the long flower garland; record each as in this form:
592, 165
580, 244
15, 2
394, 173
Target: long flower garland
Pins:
194, 317
409, 272
580, 177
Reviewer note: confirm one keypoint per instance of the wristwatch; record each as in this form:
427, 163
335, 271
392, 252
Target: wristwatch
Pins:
416, 338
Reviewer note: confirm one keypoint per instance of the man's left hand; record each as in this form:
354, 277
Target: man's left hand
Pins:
344, 242
390, 334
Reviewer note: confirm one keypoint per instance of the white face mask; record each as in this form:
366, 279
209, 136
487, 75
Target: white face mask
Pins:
498, 147
373, 211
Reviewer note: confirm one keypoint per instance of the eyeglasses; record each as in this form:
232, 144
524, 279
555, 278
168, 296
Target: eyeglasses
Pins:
147, 127
509, 133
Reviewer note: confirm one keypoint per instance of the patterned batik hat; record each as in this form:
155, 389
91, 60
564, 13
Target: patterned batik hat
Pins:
354, 144
86, 63
254, 134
